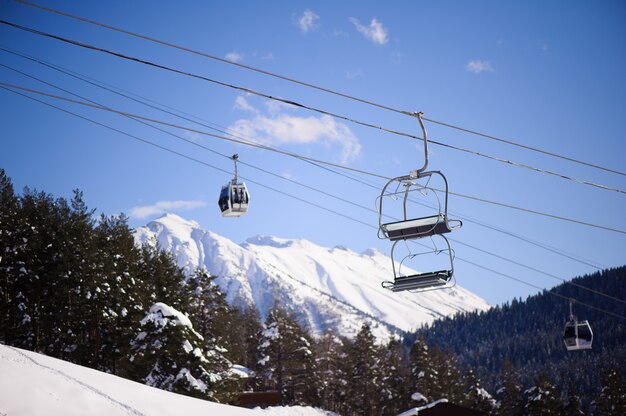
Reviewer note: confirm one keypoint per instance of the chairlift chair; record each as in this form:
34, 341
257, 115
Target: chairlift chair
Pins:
420, 282
409, 227
412, 228
578, 334
234, 197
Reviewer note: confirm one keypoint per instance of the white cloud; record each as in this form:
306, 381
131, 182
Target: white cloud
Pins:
192, 135
397, 58
162, 207
355, 74
374, 32
242, 104
234, 57
478, 66
308, 21
268, 57
279, 127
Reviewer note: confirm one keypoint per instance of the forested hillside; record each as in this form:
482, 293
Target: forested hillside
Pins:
528, 335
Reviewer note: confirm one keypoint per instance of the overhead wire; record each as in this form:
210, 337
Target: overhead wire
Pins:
147, 101
263, 147
292, 196
183, 155
307, 186
310, 85
310, 108
193, 119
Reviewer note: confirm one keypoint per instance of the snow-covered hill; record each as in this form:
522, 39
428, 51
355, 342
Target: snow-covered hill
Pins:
34, 384
327, 287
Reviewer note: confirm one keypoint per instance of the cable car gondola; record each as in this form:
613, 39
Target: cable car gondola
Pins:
577, 334
419, 282
234, 196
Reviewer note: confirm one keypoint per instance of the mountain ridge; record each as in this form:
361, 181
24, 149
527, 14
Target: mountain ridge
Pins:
335, 288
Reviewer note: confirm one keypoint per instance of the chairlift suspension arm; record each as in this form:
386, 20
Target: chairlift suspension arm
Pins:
235, 157
419, 116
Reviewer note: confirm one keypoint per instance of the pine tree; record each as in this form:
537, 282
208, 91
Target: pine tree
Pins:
243, 342
363, 373
117, 307
612, 398
450, 384
330, 356
572, 405
424, 376
41, 325
476, 397
215, 321
286, 359
89, 289
208, 309
542, 399
394, 394
168, 354
509, 393
10, 243
163, 279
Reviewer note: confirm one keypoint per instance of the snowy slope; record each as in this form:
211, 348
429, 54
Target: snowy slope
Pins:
32, 384
327, 287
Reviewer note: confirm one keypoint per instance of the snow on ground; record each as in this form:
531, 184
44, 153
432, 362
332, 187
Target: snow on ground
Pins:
294, 411
32, 384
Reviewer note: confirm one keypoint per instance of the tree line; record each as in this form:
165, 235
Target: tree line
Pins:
76, 287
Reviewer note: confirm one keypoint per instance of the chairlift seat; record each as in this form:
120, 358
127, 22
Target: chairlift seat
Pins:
420, 281
417, 227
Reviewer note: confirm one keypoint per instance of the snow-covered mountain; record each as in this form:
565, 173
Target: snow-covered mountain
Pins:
327, 287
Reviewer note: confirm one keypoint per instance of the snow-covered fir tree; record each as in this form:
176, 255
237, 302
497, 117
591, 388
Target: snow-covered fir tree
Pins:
286, 360
116, 302
164, 279
572, 405
11, 244
542, 399
208, 309
363, 373
330, 356
394, 389
424, 376
242, 344
612, 397
509, 391
476, 397
168, 354
451, 385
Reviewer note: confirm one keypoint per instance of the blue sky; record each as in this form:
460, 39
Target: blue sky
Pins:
545, 74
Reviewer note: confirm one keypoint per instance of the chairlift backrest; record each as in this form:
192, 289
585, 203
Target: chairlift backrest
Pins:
410, 227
